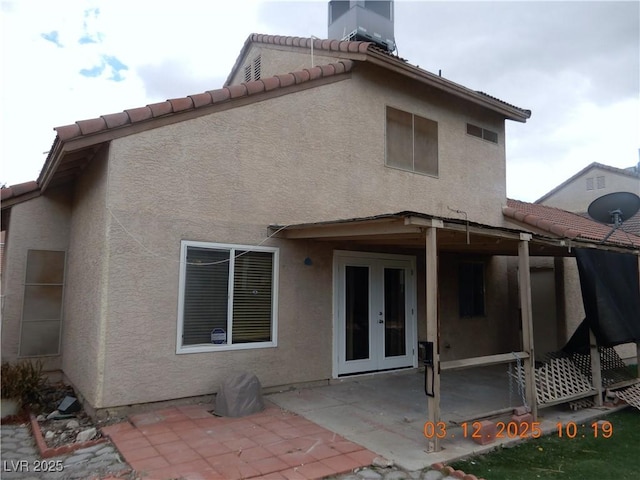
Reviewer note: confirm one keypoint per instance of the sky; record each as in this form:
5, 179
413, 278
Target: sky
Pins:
575, 65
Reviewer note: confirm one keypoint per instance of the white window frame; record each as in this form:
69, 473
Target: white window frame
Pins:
232, 248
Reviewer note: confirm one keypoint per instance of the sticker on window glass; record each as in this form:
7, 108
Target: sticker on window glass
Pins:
218, 336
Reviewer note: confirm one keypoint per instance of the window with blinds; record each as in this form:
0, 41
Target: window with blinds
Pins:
411, 142
228, 297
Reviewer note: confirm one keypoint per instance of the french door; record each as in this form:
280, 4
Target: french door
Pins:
375, 324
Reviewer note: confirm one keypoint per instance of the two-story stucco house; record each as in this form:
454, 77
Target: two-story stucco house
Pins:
302, 226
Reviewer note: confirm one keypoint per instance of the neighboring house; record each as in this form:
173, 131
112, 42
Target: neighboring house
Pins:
295, 225
595, 180
575, 195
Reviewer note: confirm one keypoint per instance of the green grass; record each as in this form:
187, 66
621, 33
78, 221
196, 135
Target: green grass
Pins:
581, 458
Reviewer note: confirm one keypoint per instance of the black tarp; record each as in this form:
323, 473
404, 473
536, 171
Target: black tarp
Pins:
611, 296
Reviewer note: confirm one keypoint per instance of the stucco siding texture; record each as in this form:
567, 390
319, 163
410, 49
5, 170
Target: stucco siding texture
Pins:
314, 155
85, 315
41, 223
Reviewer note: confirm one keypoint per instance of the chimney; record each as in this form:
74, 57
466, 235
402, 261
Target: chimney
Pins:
369, 21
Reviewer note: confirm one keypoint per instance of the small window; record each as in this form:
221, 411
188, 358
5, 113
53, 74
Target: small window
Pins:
600, 182
483, 133
412, 142
474, 130
42, 309
227, 297
590, 183
471, 289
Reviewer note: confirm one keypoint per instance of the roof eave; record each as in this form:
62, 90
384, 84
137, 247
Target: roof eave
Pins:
510, 112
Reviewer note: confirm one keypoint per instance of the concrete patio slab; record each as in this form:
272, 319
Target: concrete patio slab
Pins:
386, 412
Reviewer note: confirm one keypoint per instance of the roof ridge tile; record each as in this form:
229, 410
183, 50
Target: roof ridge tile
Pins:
201, 99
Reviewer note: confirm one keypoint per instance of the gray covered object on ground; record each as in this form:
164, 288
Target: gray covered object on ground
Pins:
239, 395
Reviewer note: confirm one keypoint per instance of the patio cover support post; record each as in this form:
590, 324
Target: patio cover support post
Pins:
524, 277
596, 376
433, 403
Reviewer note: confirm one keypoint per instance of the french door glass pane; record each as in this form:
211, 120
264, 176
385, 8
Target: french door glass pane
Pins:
357, 312
394, 312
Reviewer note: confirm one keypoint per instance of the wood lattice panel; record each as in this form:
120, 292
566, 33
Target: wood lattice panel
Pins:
612, 367
558, 380
631, 395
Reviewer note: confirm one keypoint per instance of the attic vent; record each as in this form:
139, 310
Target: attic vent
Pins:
252, 71
256, 67
482, 133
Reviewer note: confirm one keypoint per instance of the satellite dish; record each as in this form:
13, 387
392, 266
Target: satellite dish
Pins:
613, 209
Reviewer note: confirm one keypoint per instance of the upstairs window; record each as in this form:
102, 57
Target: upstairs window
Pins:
600, 182
227, 297
412, 142
482, 133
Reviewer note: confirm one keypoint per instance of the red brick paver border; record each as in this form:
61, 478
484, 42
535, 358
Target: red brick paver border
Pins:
188, 442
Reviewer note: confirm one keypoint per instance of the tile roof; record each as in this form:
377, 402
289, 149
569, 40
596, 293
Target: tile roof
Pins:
346, 54
629, 172
630, 225
13, 191
565, 224
200, 100
370, 51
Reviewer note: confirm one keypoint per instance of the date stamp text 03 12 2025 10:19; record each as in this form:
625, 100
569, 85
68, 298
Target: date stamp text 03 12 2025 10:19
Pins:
511, 430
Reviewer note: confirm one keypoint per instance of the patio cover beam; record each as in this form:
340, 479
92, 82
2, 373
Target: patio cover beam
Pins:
433, 334
524, 277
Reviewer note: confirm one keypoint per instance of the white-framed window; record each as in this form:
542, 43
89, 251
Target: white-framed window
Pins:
411, 142
228, 297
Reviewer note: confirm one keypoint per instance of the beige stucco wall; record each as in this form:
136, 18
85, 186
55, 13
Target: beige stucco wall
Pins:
576, 198
87, 265
303, 157
467, 337
41, 223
